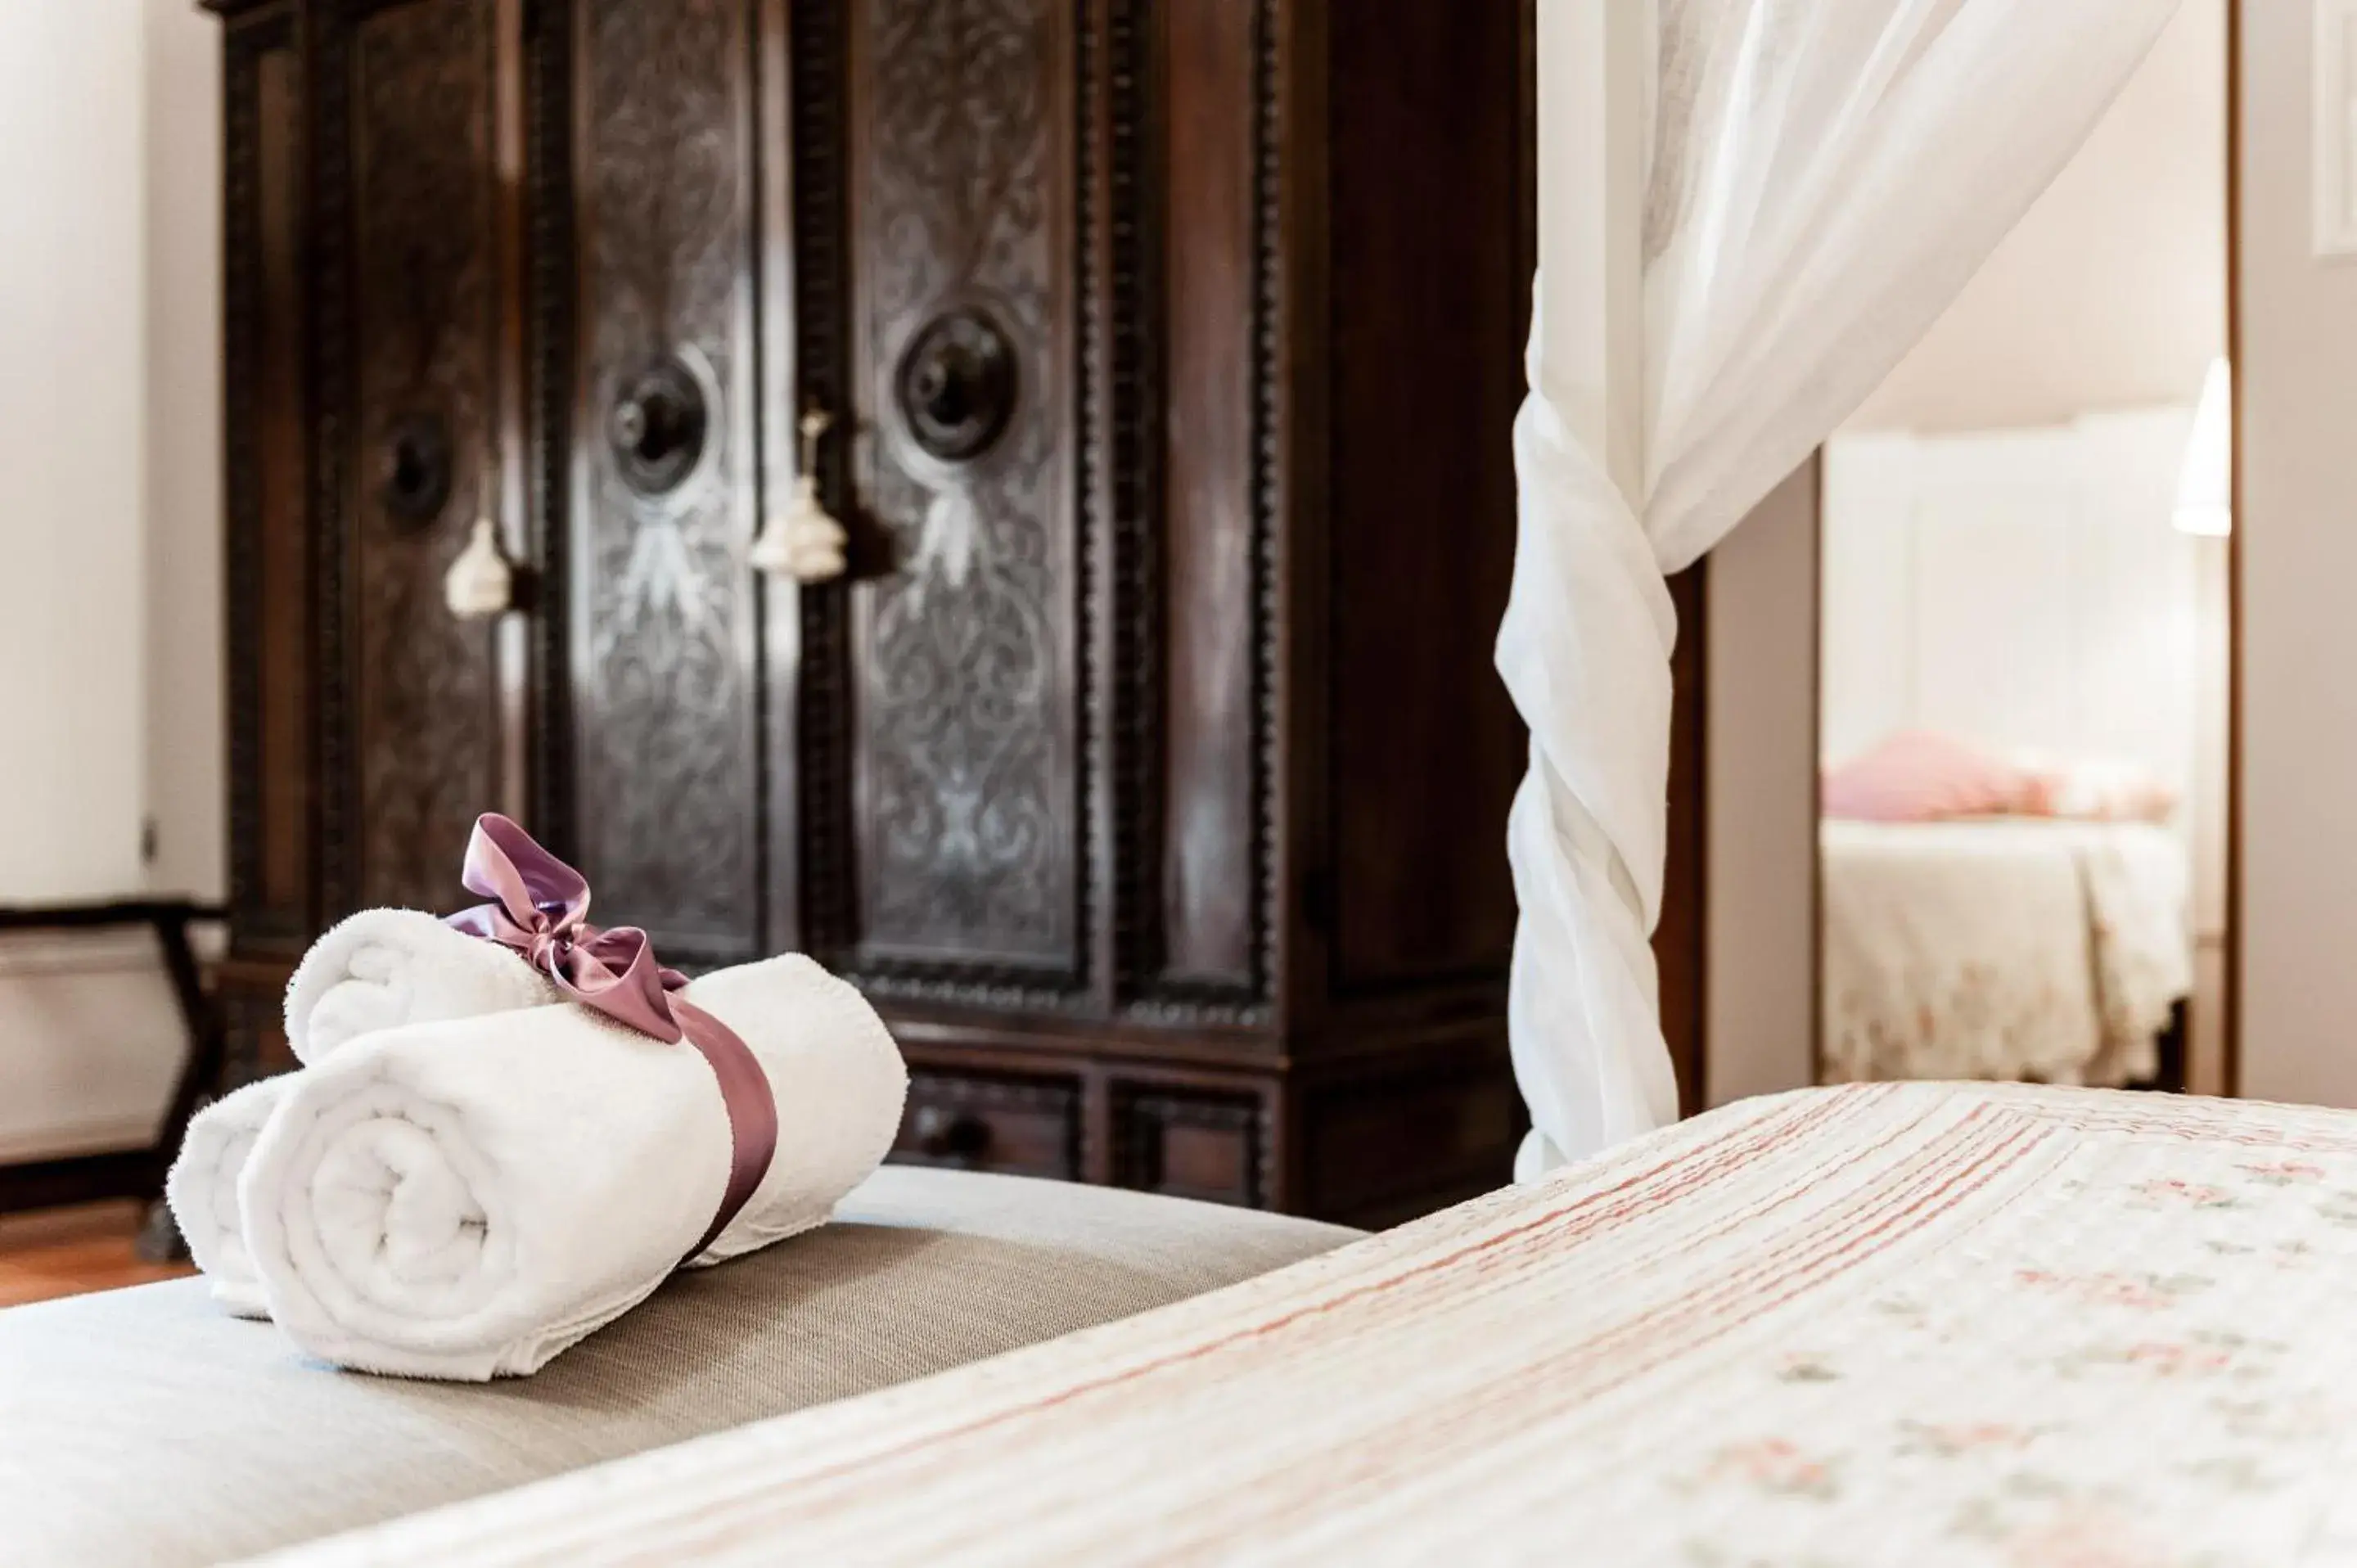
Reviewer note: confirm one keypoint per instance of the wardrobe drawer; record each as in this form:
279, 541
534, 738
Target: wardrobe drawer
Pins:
1189, 1143
1020, 1126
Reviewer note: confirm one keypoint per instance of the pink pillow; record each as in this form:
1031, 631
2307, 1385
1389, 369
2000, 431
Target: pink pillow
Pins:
1919, 777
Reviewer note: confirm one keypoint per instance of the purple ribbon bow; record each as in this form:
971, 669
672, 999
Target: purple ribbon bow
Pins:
540, 908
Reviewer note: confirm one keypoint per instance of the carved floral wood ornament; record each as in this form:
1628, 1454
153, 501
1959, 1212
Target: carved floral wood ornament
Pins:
663, 604
423, 297
967, 741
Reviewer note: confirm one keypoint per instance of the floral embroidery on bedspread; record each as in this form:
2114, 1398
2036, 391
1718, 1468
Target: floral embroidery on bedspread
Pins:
2127, 1367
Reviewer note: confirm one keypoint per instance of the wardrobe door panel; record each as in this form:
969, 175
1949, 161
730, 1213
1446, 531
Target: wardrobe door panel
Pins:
1427, 182
425, 345
966, 729
273, 695
1215, 503
664, 504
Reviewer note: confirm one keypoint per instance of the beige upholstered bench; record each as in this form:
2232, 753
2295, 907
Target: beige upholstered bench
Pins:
145, 1427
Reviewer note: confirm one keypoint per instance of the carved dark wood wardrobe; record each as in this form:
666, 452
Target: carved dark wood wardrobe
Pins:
1145, 767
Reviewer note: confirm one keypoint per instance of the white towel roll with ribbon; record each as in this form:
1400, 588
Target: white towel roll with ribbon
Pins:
466, 1199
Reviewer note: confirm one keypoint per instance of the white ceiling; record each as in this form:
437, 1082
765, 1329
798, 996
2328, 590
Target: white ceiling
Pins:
2112, 293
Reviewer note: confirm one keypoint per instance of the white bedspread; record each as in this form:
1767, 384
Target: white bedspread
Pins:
2001, 950
1890, 1324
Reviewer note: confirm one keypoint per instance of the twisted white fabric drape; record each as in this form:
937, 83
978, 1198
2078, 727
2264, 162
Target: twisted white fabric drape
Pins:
1822, 177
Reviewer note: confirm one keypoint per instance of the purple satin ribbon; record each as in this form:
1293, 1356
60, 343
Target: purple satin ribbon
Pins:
540, 906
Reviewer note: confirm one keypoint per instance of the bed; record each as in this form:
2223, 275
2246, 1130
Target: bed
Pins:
1871, 1325
2050, 952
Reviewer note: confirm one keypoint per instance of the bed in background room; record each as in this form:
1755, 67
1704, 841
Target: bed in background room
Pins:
2043, 950
1996, 917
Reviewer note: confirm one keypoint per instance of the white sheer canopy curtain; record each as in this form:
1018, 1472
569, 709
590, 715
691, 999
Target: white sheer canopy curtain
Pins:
1819, 179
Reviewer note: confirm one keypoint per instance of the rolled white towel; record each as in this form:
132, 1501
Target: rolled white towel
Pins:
377, 970
202, 1191
384, 968
466, 1199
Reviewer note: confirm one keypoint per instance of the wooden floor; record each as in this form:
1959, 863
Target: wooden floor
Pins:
65, 1251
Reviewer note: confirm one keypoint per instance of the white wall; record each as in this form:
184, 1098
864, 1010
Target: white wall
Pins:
186, 749
2297, 548
109, 352
2025, 589
110, 544
73, 447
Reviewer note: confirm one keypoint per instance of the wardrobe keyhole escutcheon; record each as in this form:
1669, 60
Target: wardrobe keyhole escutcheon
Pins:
414, 468
657, 427
957, 386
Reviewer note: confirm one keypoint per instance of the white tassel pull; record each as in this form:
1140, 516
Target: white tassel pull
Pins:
480, 583
805, 542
